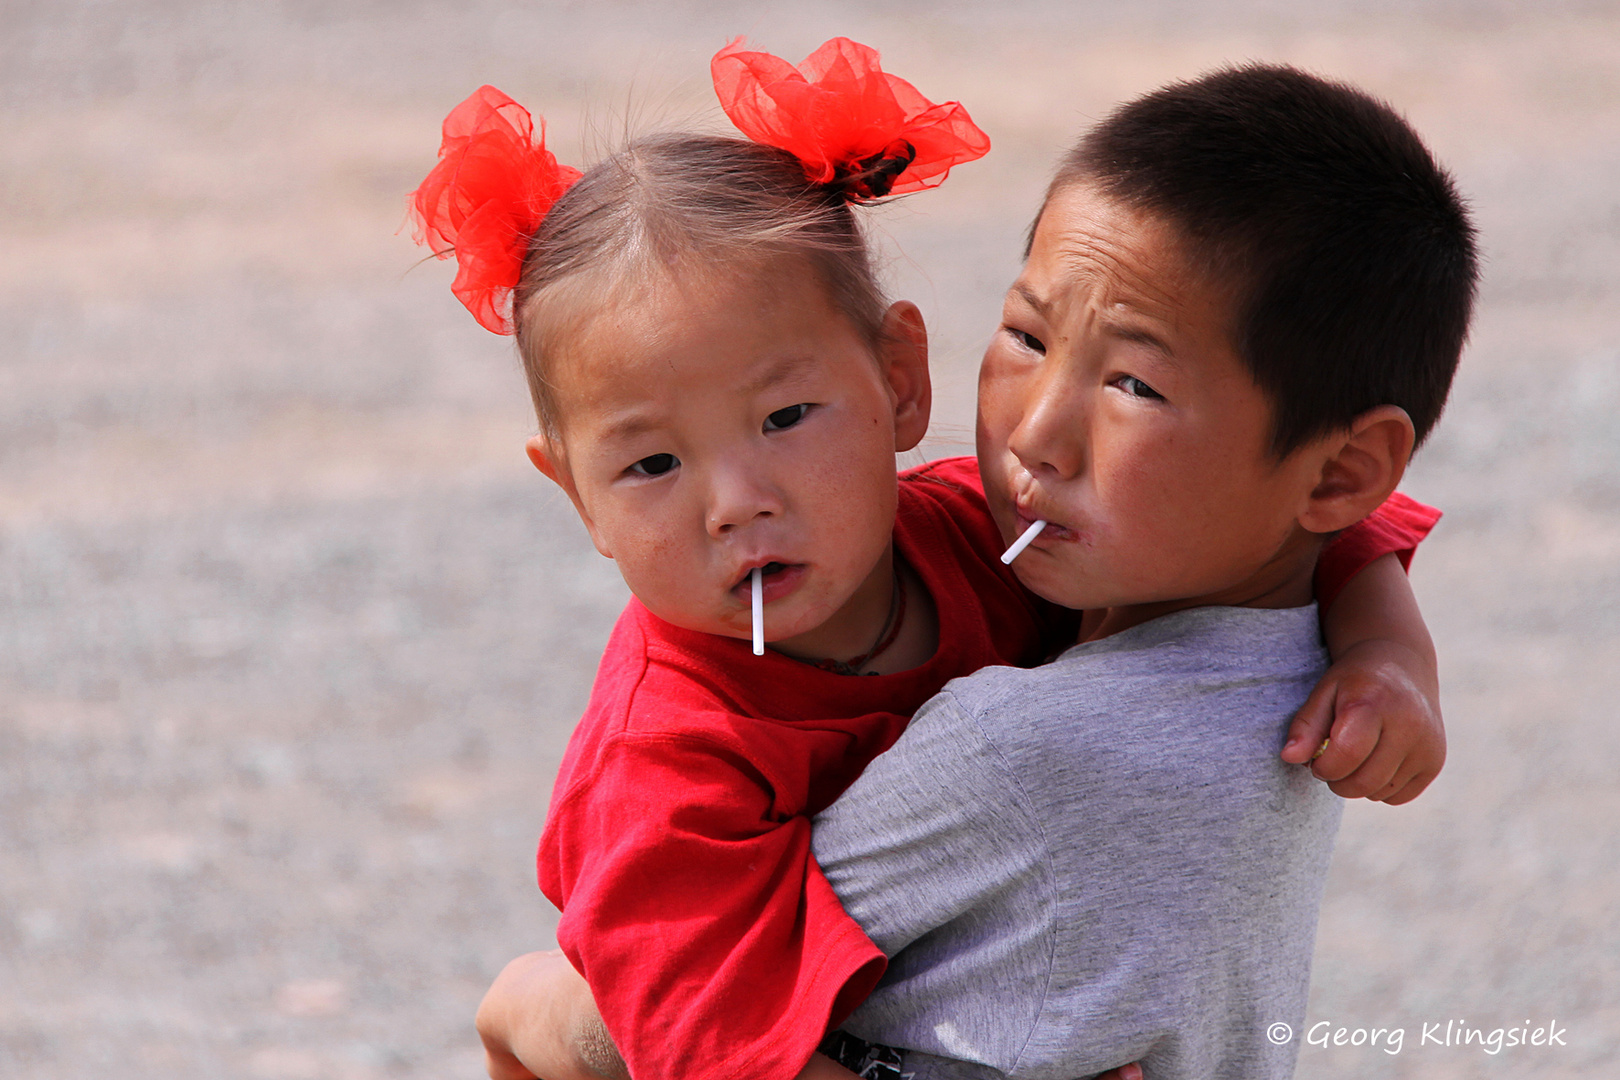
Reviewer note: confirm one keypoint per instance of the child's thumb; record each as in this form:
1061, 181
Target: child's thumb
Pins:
1311, 724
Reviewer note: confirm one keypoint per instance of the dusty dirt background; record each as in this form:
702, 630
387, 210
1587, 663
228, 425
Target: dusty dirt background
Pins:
291, 636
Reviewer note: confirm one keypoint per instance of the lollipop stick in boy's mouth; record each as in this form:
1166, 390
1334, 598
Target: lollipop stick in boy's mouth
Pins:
759, 611
1022, 542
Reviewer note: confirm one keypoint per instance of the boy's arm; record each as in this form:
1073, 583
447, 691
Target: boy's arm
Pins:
539, 1020
1378, 706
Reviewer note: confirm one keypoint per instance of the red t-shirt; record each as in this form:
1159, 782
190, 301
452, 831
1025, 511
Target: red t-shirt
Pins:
678, 842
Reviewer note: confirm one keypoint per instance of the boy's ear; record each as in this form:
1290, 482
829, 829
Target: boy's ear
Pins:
1361, 468
549, 456
903, 351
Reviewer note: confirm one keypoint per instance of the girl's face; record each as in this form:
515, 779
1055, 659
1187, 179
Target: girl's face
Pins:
707, 429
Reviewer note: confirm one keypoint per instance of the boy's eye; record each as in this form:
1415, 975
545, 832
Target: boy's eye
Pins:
655, 464
1137, 388
785, 418
1028, 341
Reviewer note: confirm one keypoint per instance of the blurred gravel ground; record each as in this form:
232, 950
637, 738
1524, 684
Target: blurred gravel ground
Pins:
291, 637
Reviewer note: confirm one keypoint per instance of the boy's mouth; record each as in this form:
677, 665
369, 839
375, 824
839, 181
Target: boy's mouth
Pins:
1027, 516
1026, 512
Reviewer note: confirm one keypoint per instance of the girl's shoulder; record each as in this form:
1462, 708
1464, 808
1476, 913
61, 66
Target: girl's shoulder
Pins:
943, 518
946, 479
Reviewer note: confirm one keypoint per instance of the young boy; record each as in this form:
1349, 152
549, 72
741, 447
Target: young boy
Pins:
1242, 306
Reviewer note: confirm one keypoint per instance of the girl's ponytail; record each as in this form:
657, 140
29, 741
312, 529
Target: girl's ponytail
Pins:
854, 127
490, 191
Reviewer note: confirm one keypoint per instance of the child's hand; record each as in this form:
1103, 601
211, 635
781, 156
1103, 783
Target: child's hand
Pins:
1384, 737
1378, 707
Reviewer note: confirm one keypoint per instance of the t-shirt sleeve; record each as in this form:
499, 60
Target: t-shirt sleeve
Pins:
711, 941
1395, 528
935, 827
938, 832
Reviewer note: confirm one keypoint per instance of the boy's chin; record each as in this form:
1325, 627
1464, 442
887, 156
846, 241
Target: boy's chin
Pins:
1049, 582
1076, 587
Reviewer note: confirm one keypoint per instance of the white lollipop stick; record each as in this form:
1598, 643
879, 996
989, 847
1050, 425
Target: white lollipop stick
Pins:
759, 611
1022, 542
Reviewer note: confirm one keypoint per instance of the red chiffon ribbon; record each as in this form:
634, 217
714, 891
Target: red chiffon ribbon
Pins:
486, 197
845, 118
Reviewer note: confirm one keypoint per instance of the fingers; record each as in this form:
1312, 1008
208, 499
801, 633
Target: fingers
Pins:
1411, 789
1372, 778
1386, 746
1311, 723
1355, 735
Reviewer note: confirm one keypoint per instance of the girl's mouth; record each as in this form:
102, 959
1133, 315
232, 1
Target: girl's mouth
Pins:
779, 579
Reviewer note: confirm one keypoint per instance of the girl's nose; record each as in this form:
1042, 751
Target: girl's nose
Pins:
1050, 438
739, 495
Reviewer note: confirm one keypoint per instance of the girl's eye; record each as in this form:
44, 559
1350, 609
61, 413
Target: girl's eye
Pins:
1028, 341
785, 418
1137, 388
655, 465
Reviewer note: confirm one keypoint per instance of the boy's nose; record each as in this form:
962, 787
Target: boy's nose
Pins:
1051, 435
738, 497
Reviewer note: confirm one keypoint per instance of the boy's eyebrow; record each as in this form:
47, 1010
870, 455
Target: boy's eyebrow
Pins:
1042, 306
1125, 333
1141, 337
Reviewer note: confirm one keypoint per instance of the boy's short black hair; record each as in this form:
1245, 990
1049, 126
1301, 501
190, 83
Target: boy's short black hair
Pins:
1350, 253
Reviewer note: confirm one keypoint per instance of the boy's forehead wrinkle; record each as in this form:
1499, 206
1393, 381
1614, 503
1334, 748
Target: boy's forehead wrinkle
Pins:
1117, 278
1113, 252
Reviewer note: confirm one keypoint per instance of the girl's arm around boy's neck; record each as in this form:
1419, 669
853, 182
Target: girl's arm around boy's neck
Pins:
1378, 706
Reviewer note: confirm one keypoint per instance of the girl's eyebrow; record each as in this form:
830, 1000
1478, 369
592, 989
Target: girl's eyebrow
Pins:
779, 370
628, 425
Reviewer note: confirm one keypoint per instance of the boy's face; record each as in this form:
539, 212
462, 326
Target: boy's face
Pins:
1113, 405
742, 422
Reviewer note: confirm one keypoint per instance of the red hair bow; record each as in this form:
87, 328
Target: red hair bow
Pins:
845, 118
486, 197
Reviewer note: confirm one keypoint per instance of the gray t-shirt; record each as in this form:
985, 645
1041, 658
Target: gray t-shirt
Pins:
1099, 861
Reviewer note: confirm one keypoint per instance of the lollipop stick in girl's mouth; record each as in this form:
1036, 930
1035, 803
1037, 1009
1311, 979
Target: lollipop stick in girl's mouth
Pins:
1022, 542
759, 611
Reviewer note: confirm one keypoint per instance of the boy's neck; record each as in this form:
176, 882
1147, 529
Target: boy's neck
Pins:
1286, 580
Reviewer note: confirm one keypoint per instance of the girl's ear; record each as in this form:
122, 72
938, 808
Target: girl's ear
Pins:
549, 457
1362, 468
903, 351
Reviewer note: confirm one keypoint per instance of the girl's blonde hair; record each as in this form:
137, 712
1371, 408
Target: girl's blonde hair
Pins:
698, 202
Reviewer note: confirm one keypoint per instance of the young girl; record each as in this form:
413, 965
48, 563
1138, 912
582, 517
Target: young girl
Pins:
721, 389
